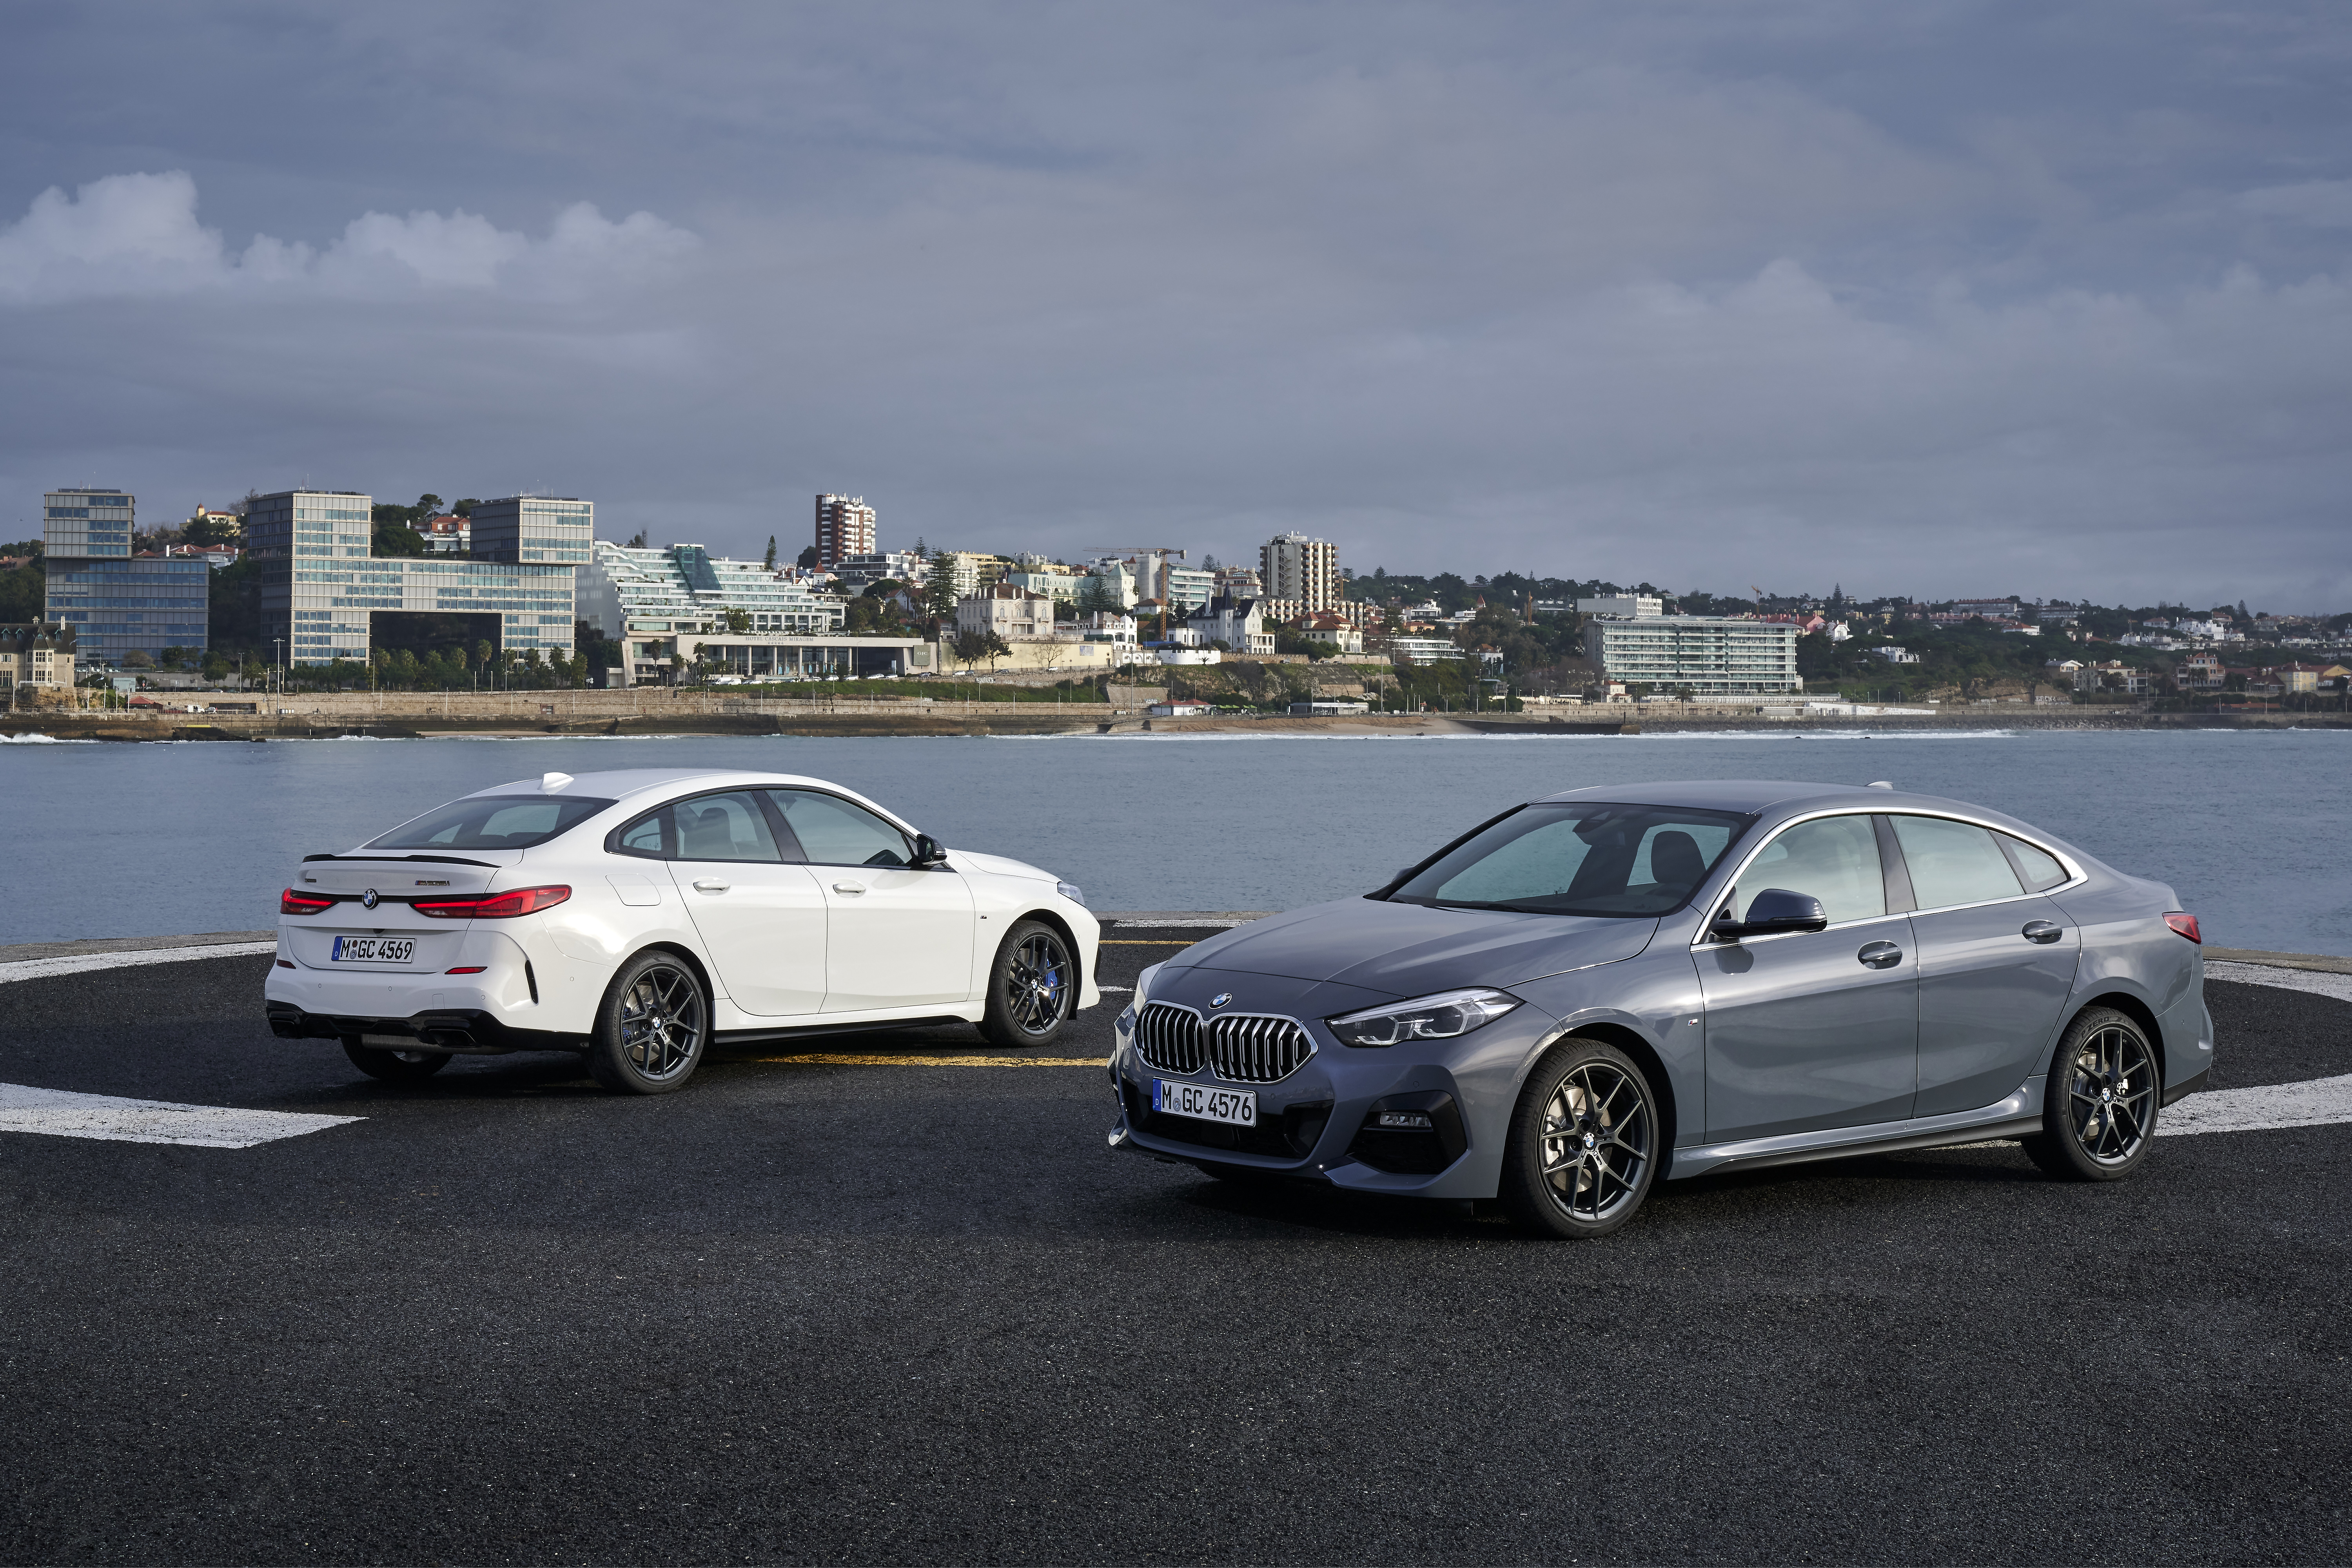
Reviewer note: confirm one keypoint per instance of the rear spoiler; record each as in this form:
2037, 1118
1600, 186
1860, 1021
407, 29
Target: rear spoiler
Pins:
435, 860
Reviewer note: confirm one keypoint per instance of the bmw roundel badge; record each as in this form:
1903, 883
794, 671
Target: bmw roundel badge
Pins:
1221, 998
367, 899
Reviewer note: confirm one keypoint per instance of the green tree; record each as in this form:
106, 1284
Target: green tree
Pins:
1095, 596
807, 559
938, 599
392, 531
770, 562
24, 591
737, 621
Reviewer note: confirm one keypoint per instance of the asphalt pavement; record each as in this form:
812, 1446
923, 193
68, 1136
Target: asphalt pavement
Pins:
822, 1312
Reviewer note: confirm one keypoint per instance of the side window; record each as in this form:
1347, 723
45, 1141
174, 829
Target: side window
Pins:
1834, 858
2039, 869
833, 832
729, 827
1953, 863
648, 836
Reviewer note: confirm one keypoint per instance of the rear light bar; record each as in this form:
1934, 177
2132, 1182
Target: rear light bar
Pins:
492, 906
293, 903
2186, 925
466, 969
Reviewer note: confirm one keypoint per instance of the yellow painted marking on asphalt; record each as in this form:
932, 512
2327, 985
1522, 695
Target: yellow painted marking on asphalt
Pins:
842, 1059
1138, 942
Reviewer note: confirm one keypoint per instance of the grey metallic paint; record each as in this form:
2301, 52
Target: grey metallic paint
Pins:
1638, 982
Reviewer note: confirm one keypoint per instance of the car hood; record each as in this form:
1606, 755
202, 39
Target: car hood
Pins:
997, 865
1411, 949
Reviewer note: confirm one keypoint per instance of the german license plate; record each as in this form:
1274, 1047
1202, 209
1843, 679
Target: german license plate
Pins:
1206, 1102
374, 949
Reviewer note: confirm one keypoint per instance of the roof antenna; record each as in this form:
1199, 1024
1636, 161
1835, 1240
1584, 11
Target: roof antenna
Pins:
552, 782
1876, 783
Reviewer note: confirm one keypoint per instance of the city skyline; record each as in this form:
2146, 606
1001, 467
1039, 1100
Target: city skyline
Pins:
1570, 288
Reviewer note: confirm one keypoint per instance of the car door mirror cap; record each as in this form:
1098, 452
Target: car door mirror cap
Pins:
928, 852
1775, 912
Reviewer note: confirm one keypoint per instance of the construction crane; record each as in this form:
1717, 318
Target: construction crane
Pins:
1163, 551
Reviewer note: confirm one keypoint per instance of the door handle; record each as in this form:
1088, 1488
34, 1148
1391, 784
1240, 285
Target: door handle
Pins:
1879, 955
711, 884
2041, 931
849, 887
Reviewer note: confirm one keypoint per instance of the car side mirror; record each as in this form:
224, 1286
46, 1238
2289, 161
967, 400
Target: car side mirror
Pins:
1771, 913
928, 852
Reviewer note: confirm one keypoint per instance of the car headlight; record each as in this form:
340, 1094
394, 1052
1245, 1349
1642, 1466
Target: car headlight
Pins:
1440, 1017
1069, 890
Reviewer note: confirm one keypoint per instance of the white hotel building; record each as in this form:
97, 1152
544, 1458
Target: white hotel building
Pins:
1712, 655
619, 586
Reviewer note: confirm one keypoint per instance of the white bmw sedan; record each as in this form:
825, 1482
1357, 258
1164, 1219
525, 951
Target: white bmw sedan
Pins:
639, 917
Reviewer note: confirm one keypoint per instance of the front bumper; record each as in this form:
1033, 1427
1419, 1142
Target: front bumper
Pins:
1423, 1119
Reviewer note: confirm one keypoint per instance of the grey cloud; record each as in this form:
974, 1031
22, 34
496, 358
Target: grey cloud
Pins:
1973, 298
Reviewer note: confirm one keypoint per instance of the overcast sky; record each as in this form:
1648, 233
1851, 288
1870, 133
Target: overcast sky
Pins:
1934, 299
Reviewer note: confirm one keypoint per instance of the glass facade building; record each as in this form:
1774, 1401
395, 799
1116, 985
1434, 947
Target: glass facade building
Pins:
319, 585
520, 529
116, 605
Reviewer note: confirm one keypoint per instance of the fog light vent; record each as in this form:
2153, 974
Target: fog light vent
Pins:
1409, 1135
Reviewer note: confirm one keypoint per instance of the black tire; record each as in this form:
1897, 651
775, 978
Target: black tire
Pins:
395, 1066
2099, 1108
1584, 1146
1033, 987
652, 1028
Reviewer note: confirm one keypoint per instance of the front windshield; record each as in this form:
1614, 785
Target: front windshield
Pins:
1580, 857
492, 822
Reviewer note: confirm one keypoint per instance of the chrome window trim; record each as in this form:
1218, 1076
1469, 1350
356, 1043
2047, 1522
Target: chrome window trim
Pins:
2075, 875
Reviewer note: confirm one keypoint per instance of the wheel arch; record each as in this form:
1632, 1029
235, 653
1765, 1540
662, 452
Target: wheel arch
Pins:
2133, 1008
1060, 928
675, 950
1646, 1058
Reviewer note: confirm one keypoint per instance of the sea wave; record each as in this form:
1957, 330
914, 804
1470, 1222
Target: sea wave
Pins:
39, 739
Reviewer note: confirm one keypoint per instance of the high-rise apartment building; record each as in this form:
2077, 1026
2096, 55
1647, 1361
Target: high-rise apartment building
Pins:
845, 528
687, 584
1306, 571
322, 589
533, 528
115, 604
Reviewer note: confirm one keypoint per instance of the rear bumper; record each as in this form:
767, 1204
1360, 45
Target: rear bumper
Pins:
456, 1030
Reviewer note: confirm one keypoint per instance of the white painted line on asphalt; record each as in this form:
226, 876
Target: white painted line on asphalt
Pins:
2315, 1103
2319, 984
64, 1114
79, 963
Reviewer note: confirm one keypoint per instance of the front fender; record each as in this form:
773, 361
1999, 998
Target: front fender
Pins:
1647, 1005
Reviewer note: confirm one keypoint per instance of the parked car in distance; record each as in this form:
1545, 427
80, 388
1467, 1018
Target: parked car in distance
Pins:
637, 917
1608, 987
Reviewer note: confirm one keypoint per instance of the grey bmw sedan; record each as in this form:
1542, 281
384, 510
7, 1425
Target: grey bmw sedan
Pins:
1609, 987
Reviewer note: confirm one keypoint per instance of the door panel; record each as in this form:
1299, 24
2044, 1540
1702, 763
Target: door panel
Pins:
1802, 1035
1989, 998
904, 939
896, 936
763, 922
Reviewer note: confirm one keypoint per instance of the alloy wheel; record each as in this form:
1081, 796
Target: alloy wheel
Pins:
1596, 1141
1036, 983
2111, 1095
662, 1022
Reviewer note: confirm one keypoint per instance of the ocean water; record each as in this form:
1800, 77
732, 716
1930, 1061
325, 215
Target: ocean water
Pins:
135, 841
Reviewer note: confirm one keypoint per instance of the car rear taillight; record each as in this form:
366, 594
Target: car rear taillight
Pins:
293, 903
493, 905
2186, 925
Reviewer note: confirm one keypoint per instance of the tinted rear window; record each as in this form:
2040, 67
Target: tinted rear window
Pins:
492, 822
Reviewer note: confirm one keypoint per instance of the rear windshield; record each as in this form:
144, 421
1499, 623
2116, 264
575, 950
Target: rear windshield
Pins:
1580, 857
491, 822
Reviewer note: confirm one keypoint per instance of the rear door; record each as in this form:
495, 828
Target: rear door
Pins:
1996, 961
896, 936
759, 913
1814, 1029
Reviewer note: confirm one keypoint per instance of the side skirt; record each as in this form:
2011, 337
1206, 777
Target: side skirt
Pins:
822, 1031
2018, 1116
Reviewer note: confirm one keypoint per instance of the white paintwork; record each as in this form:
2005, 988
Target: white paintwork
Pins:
60, 1114
856, 943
